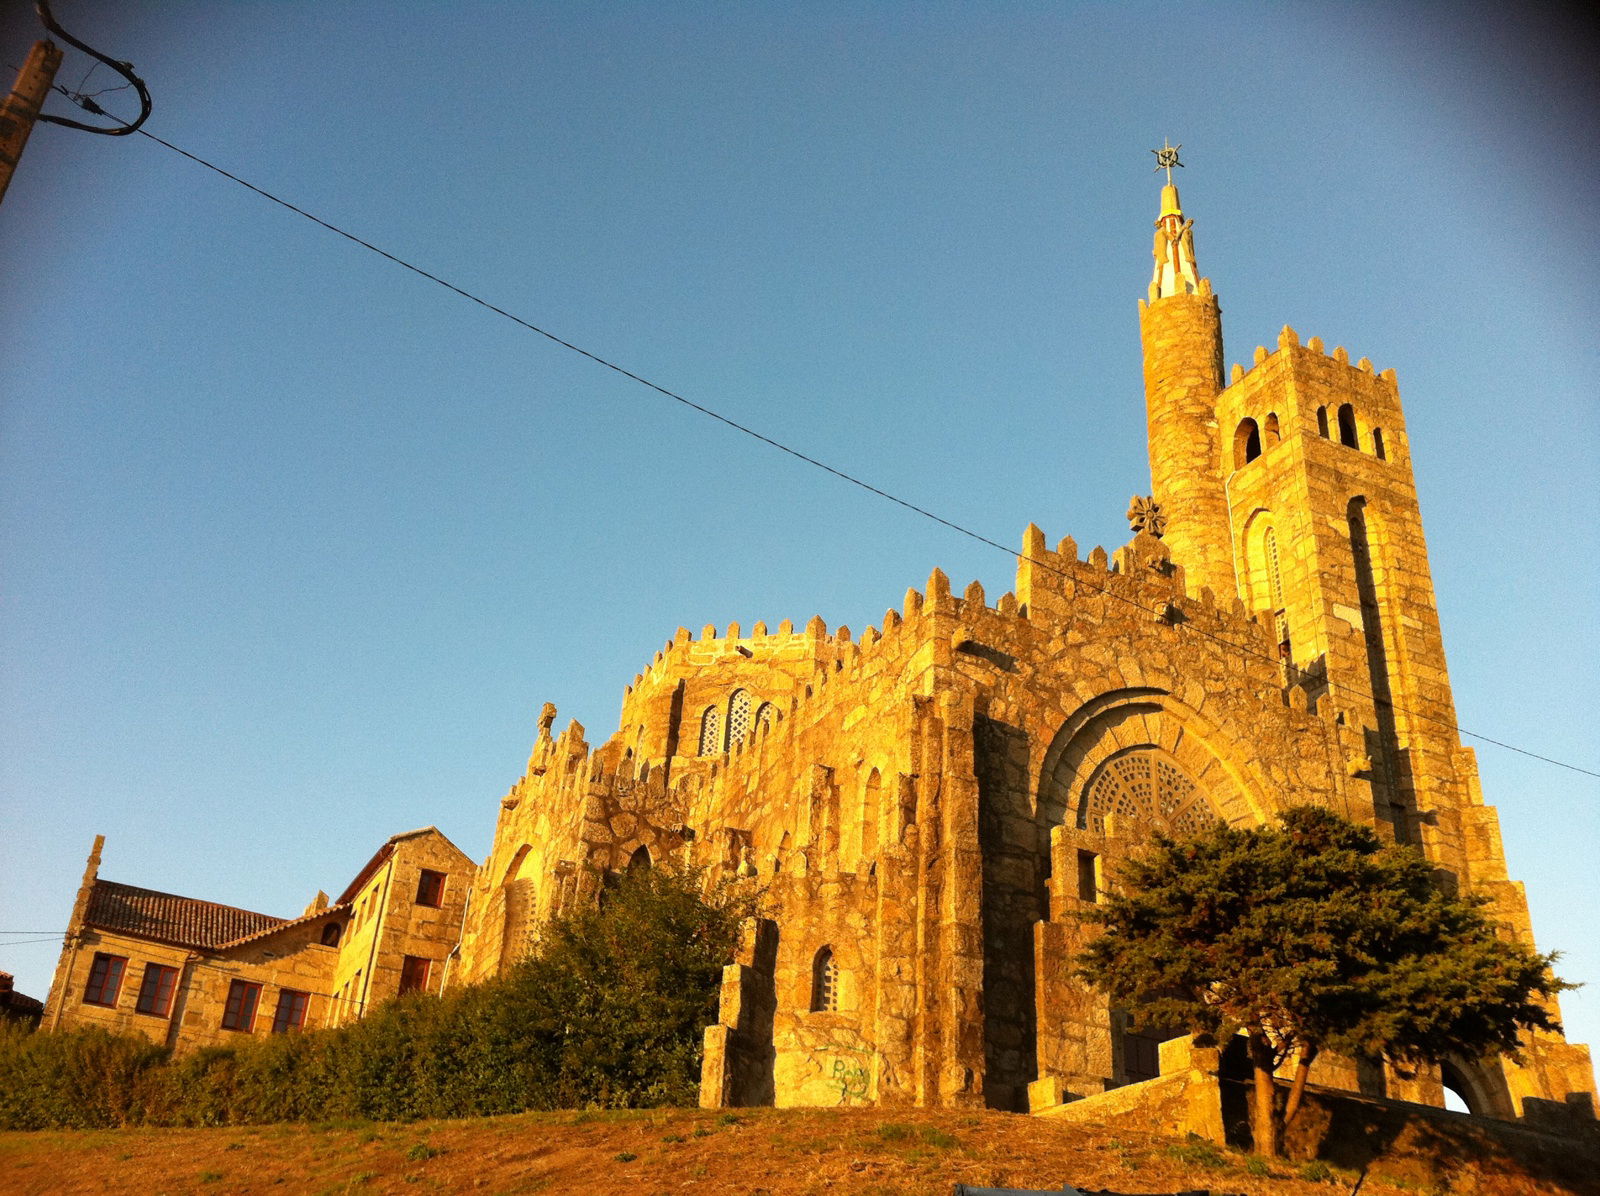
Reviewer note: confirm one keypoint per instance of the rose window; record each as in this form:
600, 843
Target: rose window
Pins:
1142, 788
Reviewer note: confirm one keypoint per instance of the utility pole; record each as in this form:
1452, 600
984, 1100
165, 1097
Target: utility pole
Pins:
21, 107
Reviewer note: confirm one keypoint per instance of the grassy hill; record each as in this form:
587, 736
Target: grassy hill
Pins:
778, 1152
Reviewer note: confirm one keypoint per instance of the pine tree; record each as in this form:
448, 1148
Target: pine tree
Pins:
1306, 937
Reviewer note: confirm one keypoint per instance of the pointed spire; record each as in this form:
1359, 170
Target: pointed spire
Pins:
1175, 271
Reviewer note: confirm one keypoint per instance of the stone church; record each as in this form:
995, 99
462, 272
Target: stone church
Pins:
928, 804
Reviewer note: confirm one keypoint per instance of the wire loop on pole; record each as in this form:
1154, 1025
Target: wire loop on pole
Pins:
125, 69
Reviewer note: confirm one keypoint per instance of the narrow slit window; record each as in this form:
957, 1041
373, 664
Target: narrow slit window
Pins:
1088, 878
1322, 422
1377, 444
824, 982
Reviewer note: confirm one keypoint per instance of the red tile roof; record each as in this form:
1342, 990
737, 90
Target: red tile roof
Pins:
182, 921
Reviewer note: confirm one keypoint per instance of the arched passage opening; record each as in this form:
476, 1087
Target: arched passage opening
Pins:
1475, 1087
1455, 1093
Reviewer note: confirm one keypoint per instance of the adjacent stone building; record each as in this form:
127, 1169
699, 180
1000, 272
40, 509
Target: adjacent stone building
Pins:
188, 973
929, 802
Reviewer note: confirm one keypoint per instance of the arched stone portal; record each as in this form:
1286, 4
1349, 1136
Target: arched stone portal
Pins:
1124, 766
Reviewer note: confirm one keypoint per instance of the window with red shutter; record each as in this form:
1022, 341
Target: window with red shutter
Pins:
291, 1012
155, 990
240, 1011
105, 979
414, 975
430, 888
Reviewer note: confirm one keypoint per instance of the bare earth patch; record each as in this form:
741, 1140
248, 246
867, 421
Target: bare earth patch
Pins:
777, 1152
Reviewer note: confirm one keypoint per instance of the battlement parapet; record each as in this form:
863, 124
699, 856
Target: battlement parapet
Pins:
1290, 348
1052, 585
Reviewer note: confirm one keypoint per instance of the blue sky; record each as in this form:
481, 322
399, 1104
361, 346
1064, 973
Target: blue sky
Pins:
295, 544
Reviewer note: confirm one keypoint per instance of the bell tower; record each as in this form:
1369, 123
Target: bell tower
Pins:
1291, 486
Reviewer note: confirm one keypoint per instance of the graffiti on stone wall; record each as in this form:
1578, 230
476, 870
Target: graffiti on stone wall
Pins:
850, 1071
825, 1063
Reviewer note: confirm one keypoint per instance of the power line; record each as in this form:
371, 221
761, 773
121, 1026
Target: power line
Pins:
1243, 649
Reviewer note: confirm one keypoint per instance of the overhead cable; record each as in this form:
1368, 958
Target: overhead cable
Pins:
842, 475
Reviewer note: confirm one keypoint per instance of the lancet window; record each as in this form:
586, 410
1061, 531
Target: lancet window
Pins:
1347, 427
738, 716
711, 731
1246, 443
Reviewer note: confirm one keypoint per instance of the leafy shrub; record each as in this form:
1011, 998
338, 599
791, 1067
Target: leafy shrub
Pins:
87, 1079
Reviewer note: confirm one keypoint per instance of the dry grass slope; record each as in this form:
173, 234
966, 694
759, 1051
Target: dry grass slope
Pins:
777, 1152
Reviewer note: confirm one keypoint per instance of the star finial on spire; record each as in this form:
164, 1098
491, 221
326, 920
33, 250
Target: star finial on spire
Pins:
1167, 157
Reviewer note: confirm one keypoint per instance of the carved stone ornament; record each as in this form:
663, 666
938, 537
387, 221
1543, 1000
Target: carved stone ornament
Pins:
1144, 515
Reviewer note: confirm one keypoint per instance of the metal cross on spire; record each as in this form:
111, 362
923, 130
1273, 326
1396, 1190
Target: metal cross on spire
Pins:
1167, 158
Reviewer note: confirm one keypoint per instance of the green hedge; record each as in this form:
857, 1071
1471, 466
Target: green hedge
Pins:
609, 1012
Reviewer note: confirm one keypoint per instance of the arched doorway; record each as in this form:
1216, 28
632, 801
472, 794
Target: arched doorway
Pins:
1142, 791
1126, 766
